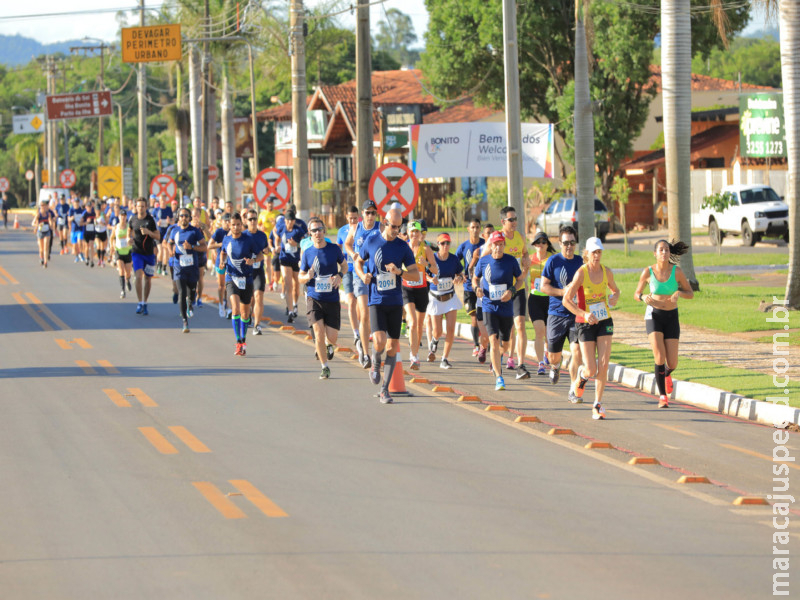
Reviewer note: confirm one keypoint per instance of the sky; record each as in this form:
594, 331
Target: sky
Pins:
103, 25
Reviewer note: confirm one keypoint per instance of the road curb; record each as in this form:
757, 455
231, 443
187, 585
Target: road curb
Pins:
696, 394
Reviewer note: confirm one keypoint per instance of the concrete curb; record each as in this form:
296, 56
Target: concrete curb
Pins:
696, 394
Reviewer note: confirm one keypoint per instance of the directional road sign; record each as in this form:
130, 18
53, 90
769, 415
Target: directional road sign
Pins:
109, 181
78, 106
33, 123
272, 182
164, 184
67, 178
3, 184
394, 182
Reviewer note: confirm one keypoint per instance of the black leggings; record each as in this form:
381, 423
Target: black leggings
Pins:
188, 290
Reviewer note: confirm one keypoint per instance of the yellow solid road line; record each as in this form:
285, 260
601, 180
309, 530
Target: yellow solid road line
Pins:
252, 493
187, 438
143, 398
110, 369
51, 315
6, 274
32, 313
117, 398
218, 500
675, 429
159, 441
759, 455
87, 368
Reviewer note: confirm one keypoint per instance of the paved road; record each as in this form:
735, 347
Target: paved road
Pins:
139, 462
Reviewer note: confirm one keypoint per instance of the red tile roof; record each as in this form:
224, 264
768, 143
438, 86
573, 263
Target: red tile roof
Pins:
462, 112
704, 83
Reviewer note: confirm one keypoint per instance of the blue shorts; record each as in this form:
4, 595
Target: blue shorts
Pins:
347, 282
146, 262
359, 287
76, 236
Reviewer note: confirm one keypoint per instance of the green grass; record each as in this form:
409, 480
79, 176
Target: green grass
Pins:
616, 259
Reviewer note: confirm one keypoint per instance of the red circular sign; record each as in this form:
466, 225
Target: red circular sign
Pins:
163, 184
67, 178
272, 182
394, 182
213, 172
29, 175
3, 184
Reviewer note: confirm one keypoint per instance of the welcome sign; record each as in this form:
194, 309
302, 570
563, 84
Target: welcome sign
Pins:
478, 150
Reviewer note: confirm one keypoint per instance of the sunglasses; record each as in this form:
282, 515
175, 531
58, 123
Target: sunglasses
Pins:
540, 243
393, 227
316, 230
444, 243
512, 219
371, 212
183, 216
568, 243
252, 219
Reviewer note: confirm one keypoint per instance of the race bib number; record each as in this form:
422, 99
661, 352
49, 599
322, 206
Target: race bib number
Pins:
386, 282
149, 270
120, 242
416, 282
162, 223
323, 285
44, 227
60, 221
648, 312
186, 260
537, 284
599, 310
496, 291
445, 284
239, 282
101, 229
89, 227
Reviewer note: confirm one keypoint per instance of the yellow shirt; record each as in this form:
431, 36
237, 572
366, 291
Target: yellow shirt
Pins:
266, 220
516, 245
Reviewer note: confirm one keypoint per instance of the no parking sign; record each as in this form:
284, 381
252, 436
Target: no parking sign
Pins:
163, 184
272, 182
394, 182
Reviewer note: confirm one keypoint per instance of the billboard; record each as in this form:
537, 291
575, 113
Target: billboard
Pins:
762, 131
478, 150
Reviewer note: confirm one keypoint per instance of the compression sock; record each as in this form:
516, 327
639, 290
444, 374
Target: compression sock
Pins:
661, 373
377, 357
245, 325
476, 335
669, 371
122, 282
388, 370
237, 322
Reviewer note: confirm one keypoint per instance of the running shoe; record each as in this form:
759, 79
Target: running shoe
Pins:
175, 298
244, 348
542, 368
445, 364
510, 364
582, 381
238, 351
554, 375
139, 308
189, 311
91, 264
598, 412
291, 318
144, 310
122, 294
41, 261
663, 402
523, 373
199, 303
185, 326
499, 384
221, 311
482, 355
385, 397
257, 330
574, 398
414, 364
668, 384
433, 345
475, 350
375, 375
76, 259
330, 350
431, 356
326, 373
367, 362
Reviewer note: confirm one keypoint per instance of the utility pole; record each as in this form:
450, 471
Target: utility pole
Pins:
513, 126
92, 49
202, 185
364, 136
142, 84
297, 51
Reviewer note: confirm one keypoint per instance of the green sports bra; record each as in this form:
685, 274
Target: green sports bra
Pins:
663, 288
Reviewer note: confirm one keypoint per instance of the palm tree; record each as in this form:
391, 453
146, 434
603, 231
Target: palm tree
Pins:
584, 128
26, 151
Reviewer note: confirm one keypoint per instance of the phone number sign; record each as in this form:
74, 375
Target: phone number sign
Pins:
762, 130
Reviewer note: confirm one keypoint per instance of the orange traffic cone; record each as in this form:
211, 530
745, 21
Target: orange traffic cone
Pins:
16, 221
397, 385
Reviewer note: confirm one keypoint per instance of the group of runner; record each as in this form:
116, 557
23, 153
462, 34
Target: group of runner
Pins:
391, 280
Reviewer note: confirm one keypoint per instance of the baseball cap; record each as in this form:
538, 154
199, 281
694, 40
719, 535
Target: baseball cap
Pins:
593, 244
290, 215
423, 224
414, 225
443, 237
497, 237
368, 204
271, 199
540, 235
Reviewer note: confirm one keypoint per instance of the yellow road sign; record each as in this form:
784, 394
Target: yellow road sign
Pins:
156, 43
109, 181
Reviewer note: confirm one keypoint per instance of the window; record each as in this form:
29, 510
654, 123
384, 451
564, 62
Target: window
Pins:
319, 169
599, 206
344, 169
568, 204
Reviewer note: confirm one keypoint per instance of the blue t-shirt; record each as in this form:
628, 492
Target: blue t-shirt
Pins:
237, 250
494, 274
185, 265
288, 252
218, 236
77, 221
167, 236
341, 237
161, 215
362, 235
464, 253
88, 218
560, 272
325, 263
260, 238
385, 288
62, 210
448, 268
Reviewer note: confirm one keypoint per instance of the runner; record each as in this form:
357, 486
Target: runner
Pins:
259, 274
290, 234
214, 245
557, 274
4, 209
469, 252
444, 302
266, 223
237, 255
162, 213
497, 279
538, 301
119, 235
379, 264
202, 256
43, 223
667, 284
62, 212
358, 236
416, 293
75, 218
186, 241
89, 235
595, 327
143, 235
321, 268
347, 278
101, 236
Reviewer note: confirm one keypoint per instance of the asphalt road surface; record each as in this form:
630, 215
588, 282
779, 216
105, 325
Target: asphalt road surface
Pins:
140, 462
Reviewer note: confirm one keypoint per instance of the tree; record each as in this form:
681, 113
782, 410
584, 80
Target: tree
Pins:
620, 192
395, 36
758, 61
718, 203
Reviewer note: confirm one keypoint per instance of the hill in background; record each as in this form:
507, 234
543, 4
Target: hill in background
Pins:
16, 50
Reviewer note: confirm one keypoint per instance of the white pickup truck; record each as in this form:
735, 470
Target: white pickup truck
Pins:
756, 211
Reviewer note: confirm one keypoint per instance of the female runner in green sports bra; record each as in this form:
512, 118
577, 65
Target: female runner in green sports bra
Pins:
667, 284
